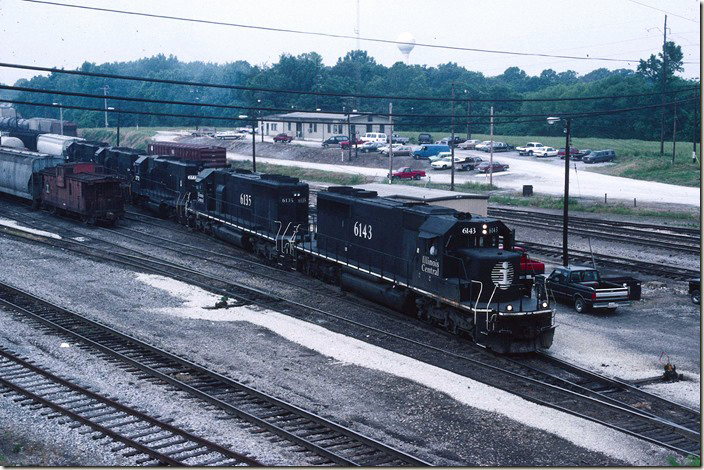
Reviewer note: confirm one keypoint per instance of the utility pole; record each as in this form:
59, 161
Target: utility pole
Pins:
491, 157
674, 134
452, 141
664, 85
105, 93
695, 102
469, 134
391, 142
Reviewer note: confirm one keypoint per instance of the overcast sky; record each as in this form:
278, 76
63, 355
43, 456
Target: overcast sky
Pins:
57, 36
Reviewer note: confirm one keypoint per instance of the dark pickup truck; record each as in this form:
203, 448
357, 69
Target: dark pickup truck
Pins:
583, 287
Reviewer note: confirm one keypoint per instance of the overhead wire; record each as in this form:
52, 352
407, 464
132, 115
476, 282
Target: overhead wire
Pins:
320, 34
313, 93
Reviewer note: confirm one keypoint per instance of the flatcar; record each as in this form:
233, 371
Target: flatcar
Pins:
82, 190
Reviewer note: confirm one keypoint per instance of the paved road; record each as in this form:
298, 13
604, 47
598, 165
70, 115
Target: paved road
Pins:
547, 176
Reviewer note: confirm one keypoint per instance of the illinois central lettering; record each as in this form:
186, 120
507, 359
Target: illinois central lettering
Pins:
430, 266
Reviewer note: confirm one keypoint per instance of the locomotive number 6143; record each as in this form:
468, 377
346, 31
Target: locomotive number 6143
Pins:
363, 230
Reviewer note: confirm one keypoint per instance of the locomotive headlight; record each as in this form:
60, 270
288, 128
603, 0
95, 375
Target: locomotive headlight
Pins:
545, 305
483, 232
509, 308
485, 226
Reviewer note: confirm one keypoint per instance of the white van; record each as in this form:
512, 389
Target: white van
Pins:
374, 137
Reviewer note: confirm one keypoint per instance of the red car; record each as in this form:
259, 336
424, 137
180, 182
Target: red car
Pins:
285, 138
574, 153
483, 167
346, 144
406, 173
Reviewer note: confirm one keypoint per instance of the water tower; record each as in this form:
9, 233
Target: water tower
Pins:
409, 42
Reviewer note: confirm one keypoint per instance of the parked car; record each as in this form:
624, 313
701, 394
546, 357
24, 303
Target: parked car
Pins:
446, 163
358, 142
397, 139
335, 140
695, 290
468, 144
285, 138
482, 145
583, 287
368, 147
498, 147
573, 156
574, 152
598, 156
470, 163
439, 156
400, 150
450, 141
375, 137
407, 173
428, 150
485, 167
425, 139
529, 148
545, 152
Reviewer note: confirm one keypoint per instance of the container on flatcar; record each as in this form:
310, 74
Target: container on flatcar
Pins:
18, 170
209, 156
83, 190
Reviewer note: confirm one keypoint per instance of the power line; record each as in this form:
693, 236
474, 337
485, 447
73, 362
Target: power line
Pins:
344, 120
319, 34
315, 93
664, 11
236, 107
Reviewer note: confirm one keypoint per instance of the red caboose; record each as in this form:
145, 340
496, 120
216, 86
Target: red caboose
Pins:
83, 190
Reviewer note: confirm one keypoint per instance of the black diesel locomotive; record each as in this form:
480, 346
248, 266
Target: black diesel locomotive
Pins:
449, 268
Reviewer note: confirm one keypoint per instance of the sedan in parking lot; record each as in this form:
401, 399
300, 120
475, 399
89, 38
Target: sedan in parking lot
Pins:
446, 163
285, 138
368, 147
545, 152
482, 145
335, 140
399, 150
486, 167
468, 144
357, 141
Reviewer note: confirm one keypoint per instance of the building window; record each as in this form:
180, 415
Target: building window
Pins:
369, 118
315, 127
329, 126
289, 126
381, 128
273, 127
370, 128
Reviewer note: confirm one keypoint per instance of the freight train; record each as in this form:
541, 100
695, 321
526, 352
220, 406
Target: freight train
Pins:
449, 268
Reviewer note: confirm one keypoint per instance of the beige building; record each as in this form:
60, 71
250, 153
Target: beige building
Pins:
320, 126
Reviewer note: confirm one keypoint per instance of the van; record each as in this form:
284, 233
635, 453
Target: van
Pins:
428, 150
374, 137
599, 156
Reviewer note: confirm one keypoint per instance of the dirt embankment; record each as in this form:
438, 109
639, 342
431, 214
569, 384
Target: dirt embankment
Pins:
309, 154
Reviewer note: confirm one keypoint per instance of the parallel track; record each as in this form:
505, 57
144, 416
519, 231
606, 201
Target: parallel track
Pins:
157, 442
331, 443
673, 431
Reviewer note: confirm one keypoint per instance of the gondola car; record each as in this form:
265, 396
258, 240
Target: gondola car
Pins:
439, 264
260, 212
82, 190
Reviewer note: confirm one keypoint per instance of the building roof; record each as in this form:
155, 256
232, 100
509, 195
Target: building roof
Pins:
300, 115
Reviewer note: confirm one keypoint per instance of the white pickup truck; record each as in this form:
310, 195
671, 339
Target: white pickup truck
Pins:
529, 148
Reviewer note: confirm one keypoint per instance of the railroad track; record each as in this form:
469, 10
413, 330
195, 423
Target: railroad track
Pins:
152, 441
565, 391
680, 239
325, 441
630, 264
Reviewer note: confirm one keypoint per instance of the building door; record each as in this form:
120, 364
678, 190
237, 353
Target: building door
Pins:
299, 130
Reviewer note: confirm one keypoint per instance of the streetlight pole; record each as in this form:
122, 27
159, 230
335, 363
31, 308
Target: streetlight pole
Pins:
118, 125
452, 142
61, 116
254, 140
565, 204
105, 92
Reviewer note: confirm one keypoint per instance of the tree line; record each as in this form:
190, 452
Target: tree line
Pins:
358, 74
